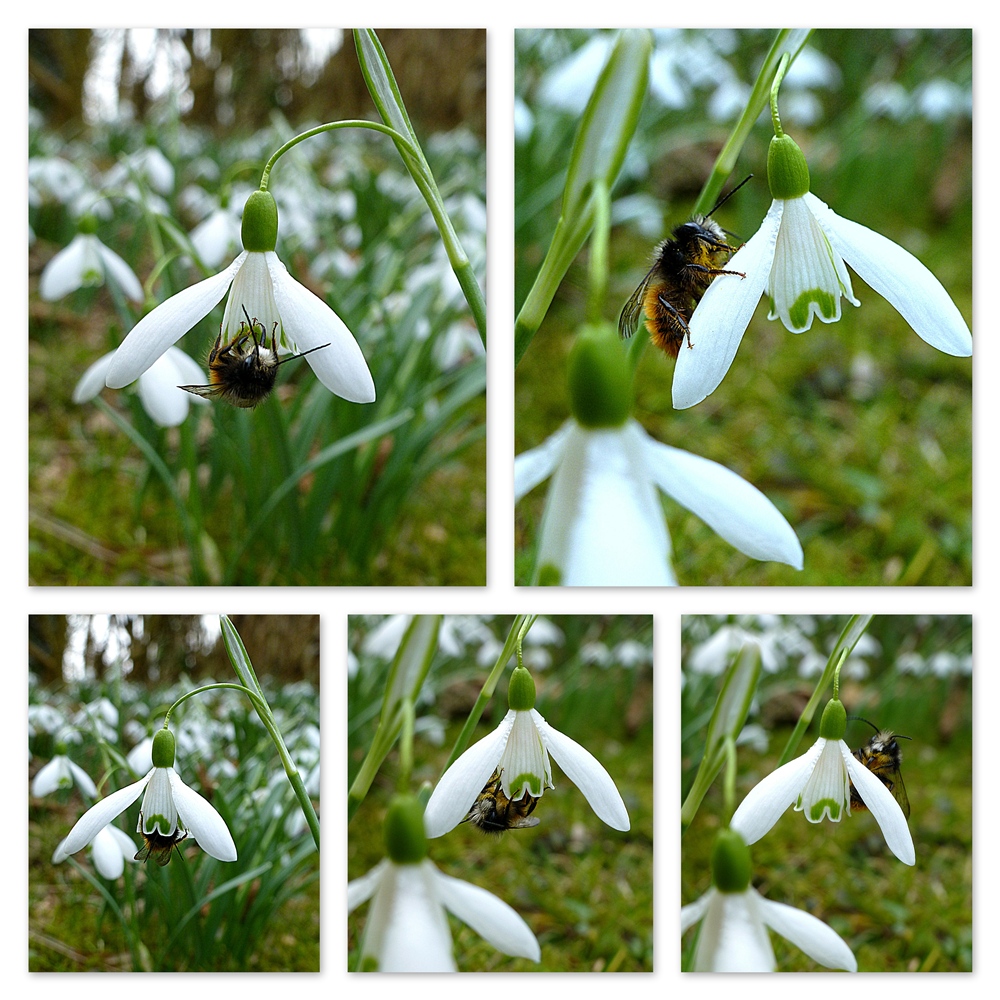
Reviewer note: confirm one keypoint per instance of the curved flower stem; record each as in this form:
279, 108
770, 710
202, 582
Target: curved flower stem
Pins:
388, 100
788, 42
251, 687
518, 630
328, 127
855, 628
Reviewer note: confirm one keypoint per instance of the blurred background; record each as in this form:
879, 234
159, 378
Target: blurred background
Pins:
157, 137
911, 674
98, 688
585, 890
859, 432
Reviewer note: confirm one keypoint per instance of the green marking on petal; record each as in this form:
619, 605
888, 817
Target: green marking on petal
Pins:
798, 315
530, 782
817, 809
152, 823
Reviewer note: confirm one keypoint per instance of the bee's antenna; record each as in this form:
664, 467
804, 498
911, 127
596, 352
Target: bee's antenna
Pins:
858, 718
726, 197
303, 354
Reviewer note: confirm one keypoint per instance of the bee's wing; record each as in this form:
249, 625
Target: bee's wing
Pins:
899, 792
632, 309
143, 853
524, 822
206, 391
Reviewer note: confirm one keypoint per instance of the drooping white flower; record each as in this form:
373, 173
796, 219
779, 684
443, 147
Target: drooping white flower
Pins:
61, 772
734, 936
86, 261
407, 929
603, 523
159, 386
799, 257
519, 747
735, 918
168, 806
818, 784
263, 290
110, 849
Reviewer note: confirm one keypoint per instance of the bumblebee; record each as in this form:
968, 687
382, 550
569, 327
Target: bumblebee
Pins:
241, 374
683, 267
493, 812
158, 845
882, 756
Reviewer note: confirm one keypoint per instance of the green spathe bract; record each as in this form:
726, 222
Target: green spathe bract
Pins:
731, 865
259, 231
405, 839
600, 379
833, 725
163, 749
787, 170
521, 690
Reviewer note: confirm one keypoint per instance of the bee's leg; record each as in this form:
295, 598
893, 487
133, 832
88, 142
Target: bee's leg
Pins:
214, 353
678, 318
713, 271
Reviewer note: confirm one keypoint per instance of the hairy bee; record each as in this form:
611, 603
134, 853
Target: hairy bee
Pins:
683, 267
241, 374
158, 845
493, 812
882, 756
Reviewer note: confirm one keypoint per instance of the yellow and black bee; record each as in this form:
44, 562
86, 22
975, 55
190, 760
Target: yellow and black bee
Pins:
240, 374
493, 812
882, 756
158, 845
683, 267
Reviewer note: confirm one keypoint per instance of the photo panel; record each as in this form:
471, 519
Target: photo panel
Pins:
684, 201
500, 804
174, 786
257, 323
802, 846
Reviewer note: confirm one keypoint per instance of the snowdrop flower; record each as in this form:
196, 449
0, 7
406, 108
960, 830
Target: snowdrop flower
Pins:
519, 748
84, 262
603, 523
263, 287
61, 772
168, 807
799, 257
735, 918
604, 477
407, 930
159, 386
110, 850
819, 784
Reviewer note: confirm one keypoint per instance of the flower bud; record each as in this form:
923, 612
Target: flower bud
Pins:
260, 223
163, 749
833, 725
787, 170
600, 379
405, 838
731, 865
